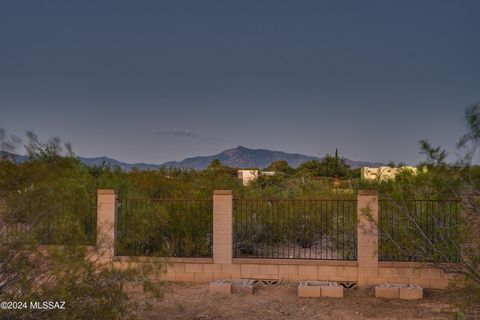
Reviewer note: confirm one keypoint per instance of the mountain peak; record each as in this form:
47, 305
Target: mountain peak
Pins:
238, 149
239, 157
243, 157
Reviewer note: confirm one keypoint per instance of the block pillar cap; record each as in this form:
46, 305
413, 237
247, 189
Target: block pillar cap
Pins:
367, 193
222, 192
105, 191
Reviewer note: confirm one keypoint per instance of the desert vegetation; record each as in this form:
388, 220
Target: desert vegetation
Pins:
50, 199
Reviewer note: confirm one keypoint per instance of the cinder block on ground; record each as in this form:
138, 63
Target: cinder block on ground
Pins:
402, 291
386, 291
228, 286
316, 289
333, 290
412, 292
245, 286
307, 291
220, 286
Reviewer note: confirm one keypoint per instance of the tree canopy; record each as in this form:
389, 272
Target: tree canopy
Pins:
329, 166
280, 166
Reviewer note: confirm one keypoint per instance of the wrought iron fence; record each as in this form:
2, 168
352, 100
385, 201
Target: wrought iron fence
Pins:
52, 222
419, 230
164, 227
295, 229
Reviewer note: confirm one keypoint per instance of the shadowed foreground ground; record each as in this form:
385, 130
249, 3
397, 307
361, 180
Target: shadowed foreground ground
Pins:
192, 301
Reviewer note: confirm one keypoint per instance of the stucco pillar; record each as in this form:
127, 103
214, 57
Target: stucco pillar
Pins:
367, 237
222, 226
106, 207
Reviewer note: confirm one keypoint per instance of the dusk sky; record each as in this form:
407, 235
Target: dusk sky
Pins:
153, 81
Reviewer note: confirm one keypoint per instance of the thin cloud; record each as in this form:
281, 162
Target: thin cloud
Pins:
173, 132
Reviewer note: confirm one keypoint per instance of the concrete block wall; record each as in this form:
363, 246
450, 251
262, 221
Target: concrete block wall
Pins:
427, 276
222, 226
106, 209
367, 236
291, 271
367, 271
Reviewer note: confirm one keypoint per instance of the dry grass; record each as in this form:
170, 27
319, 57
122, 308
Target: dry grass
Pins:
192, 301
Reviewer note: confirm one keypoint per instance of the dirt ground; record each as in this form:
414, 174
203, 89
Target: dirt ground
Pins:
193, 301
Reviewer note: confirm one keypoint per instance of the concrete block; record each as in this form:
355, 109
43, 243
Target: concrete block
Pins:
307, 270
285, 270
402, 291
307, 291
222, 237
245, 286
176, 267
388, 272
188, 277
230, 268
367, 271
193, 267
220, 276
333, 290
168, 277
203, 277
386, 291
424, 283
409, 272
268, 269
439, 283
325, 271
250, 269
316, 289
222, 226
347, 271
228, 286
430, 273
411, 292
212, 268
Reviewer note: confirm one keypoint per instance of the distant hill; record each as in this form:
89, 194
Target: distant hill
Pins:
239, 157
98, 161
95, 161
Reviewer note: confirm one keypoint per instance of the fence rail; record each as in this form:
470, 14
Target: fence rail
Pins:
419, 230
164, 227
412, 230
50, 223
295, 229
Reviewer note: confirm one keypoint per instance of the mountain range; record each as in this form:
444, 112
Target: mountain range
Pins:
239, 157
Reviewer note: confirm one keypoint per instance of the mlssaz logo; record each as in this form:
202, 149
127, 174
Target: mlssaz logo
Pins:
47, 305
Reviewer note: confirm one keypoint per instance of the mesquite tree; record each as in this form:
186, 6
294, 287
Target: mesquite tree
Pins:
45, 227
434, 216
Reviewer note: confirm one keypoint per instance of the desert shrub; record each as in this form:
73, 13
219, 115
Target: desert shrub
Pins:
170, 228
42, 201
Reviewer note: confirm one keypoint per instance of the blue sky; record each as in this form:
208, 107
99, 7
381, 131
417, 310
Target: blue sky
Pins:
153, 81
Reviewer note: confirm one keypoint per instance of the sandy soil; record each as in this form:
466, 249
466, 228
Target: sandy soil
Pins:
193, 301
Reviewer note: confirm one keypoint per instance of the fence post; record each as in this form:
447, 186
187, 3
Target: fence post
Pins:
367, 233
106, 207
222, 226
